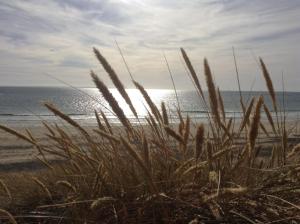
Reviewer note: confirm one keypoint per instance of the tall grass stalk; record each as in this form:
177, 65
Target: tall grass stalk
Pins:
115, 79
164, 173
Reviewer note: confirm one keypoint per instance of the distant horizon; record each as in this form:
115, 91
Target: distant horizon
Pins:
165, 89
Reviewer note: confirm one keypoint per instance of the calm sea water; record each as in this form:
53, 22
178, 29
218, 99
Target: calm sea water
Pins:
21, 106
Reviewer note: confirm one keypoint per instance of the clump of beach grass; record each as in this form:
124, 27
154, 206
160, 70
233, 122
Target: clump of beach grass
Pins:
163, 172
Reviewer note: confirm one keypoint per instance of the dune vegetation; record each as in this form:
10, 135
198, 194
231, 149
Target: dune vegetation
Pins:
161, 171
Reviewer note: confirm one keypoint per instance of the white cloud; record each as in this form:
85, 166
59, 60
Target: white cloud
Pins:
57, 36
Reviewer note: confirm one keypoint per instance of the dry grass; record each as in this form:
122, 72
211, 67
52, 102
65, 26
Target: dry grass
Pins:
269, 83
192, 72
115, 79
159, 173
213, 99
253, 131
111, 100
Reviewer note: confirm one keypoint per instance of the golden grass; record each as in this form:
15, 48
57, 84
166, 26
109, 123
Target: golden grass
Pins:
253, 130
199, 141
111, 100
115, 79
164, 172
221, 105
269, 83
150, 103
67, 118
246, 117
213, 99
192, 71
164, 114
270, 118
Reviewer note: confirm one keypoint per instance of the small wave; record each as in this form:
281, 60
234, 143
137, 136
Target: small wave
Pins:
204, 111
24, 115
193, 111
42, 115
7, 114
76, 114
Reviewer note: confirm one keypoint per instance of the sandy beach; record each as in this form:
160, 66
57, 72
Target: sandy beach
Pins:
18, 155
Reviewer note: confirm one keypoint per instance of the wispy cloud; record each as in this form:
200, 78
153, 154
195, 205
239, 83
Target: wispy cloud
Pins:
57, 36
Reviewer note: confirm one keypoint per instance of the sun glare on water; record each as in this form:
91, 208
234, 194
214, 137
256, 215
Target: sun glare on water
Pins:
157, 95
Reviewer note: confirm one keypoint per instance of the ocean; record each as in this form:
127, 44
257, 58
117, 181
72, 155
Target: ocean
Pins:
23, 106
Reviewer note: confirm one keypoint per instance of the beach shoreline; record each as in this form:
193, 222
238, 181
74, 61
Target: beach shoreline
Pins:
18, 155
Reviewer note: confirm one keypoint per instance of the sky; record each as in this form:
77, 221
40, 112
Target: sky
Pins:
41, 39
